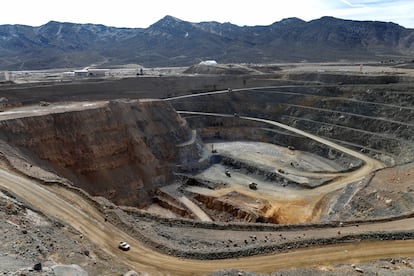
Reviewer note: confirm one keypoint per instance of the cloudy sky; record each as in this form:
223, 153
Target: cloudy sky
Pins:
142, 13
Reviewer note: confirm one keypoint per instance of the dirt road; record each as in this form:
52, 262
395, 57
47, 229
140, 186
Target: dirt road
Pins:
369, 166
302, 205
35, 110
73, 210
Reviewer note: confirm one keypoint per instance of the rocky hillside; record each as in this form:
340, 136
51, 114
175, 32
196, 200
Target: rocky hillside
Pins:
172, 41
123, 150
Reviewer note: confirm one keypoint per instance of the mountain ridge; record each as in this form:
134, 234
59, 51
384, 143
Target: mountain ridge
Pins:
175, 42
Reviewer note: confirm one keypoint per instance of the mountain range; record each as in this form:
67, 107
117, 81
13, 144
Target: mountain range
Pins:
174, 42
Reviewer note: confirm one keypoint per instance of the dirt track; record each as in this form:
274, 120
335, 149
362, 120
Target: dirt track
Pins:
76, 211
301, 205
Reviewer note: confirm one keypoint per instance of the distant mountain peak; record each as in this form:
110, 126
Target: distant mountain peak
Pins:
288, 22
170, 26
52, 22
327, 18
171, 18
168, 20
291, 20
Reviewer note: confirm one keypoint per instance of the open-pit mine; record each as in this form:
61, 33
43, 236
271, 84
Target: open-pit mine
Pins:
305, 168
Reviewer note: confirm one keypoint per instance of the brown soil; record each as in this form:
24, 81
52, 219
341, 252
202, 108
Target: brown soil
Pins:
308, 211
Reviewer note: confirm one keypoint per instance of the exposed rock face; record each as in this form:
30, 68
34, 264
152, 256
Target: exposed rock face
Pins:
230, 204
388, 194
374, 118
122, 151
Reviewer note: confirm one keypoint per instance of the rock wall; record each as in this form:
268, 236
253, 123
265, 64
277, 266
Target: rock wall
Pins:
122, 151
374, 117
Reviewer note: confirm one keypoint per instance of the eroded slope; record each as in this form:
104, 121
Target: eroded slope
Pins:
122, 150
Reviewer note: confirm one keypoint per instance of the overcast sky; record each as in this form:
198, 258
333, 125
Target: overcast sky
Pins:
142, 13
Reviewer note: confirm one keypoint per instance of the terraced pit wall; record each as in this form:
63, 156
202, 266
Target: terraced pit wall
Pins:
375, 118
122, 151
233, 129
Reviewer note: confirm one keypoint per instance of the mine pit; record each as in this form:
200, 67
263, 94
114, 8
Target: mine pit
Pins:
273, 165
275, 155
205, 167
